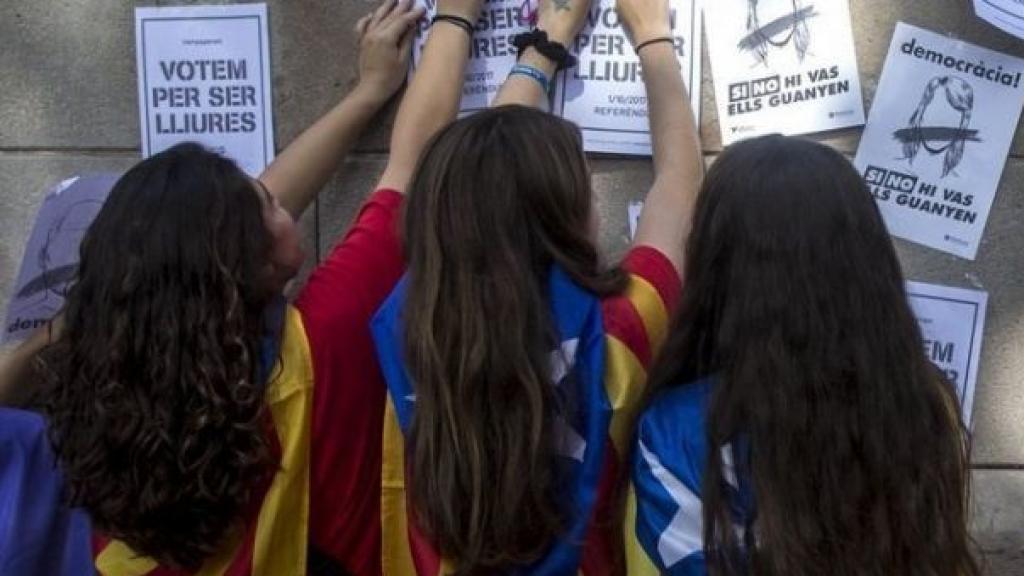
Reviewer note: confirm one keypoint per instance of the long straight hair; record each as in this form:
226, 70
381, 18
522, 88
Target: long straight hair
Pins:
498, 200
796, 301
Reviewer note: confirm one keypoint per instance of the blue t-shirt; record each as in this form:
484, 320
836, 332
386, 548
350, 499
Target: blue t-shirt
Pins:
39, 533
669, 461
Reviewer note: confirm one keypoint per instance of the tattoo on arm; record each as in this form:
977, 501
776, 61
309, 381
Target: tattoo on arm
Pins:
562, 5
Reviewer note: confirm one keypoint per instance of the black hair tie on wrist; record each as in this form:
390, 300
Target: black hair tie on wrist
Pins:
456, 20
538, 39
654, 41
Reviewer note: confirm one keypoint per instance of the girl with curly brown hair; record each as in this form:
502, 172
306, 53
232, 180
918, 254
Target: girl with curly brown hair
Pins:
179, 390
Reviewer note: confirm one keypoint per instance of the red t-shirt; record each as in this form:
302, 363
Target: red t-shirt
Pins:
337, 305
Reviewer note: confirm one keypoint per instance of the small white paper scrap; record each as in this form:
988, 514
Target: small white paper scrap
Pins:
634, 209
952, 322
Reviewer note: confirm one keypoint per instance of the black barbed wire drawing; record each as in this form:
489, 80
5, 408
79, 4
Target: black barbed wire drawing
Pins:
953, 139
791, 28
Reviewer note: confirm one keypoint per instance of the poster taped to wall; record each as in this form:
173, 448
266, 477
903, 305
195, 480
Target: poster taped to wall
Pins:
491, 54
51, 255
937, 140
204, 76
783, 66
1007, 15
633, 212
604, 94
952, 322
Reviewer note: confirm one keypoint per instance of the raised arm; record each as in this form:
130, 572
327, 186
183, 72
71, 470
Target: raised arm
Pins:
665, 222
302, 169
561, 20
431, 101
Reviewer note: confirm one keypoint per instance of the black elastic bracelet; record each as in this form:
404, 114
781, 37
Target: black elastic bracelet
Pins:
538, 39
654, 41
456, 20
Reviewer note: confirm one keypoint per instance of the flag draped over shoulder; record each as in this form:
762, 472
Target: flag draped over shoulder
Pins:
577, 369
273, 541
664, 530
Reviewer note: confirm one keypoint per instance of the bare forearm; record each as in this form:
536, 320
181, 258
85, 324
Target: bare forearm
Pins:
304, 167
678, 167
523, 90
430, 103
673, 130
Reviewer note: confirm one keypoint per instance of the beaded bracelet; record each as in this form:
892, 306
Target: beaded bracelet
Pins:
536, 74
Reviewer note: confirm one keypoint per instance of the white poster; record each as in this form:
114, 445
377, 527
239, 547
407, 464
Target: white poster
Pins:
633, 212
605, 95
491, 54
204, 76
952, 323
1007, 15
938, 136
783, 66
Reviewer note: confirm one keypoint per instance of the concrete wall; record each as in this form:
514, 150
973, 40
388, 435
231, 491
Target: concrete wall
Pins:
68, 105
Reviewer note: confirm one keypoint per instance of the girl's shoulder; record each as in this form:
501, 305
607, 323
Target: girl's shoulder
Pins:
678, 412
670, 439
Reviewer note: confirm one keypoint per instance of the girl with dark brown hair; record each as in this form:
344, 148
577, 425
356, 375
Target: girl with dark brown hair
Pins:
182, 395
795, 426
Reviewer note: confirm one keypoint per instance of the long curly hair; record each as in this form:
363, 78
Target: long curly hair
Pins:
795, 300
152, 391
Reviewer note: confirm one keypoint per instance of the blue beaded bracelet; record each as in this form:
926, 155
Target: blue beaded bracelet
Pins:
534, 73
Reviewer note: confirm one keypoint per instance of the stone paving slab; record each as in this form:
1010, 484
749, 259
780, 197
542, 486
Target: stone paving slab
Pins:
346, 192
1001, 554
998, 520
69, 75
